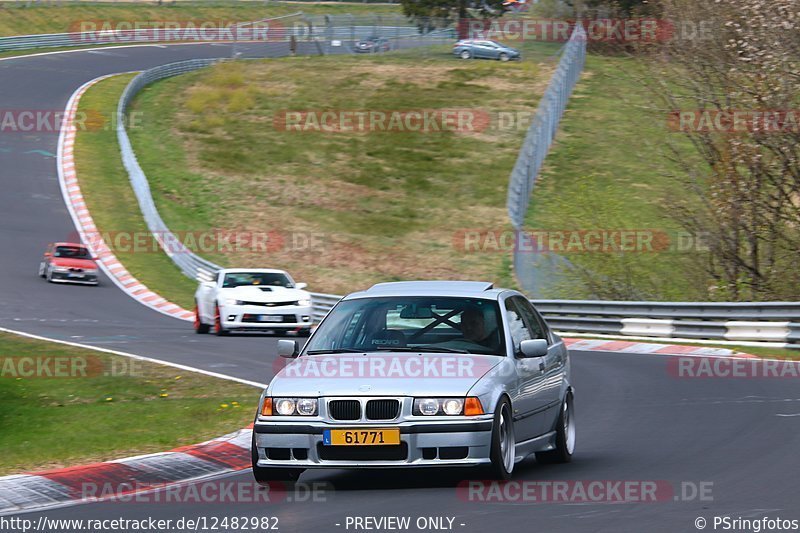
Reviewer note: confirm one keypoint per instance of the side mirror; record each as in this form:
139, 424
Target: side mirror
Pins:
287, 348
532, 348
48, 254
301, 286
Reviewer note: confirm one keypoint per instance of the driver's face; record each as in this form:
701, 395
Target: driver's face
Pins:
472, 326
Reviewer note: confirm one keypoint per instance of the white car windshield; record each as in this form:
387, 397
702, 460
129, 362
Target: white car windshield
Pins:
242, 279
418, 324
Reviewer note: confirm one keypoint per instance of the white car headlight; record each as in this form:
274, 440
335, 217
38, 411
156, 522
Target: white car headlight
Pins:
304, 302
307, 406
427, 406
295, 406
231, 301
446, 406
453, 406
284, 406
60, 269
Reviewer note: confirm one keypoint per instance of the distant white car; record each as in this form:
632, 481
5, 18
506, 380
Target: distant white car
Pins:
252, 299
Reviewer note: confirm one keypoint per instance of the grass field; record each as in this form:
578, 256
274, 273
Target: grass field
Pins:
608, 170
110, 198
96, 406
348, 208
16, 18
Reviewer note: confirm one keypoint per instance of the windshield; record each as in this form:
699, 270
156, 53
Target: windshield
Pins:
76, 252
241, 279
425, 324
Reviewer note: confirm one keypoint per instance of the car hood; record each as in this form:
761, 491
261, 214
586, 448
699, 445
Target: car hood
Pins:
71, 262
264, 294
380, 374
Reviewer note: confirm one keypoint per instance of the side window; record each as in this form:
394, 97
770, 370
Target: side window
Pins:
516, 324
536, 326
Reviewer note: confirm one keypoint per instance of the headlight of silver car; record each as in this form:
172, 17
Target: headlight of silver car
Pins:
290, 407
447, 406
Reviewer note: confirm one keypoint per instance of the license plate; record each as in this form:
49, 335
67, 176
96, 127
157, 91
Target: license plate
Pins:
74, 275
361, 437
271, 318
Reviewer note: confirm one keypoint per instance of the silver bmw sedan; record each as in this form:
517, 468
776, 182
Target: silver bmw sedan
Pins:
419, 374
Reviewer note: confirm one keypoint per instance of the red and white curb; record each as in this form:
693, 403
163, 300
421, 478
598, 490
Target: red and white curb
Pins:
85, 225
605, 345
125, 477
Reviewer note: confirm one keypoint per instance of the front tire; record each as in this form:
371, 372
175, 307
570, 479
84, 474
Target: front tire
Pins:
503, 57
219, 330
199, 327
503, 447
465, 54
565, 436
264, 476
49, 274
42, 269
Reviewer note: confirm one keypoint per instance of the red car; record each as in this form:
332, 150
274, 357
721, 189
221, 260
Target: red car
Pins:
66, 262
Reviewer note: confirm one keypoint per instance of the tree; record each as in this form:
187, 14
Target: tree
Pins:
430, 14
745, 193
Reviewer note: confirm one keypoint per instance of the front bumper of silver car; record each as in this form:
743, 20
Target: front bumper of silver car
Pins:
423, 443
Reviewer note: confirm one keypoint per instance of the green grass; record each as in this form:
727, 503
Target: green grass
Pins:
385, 206
51, 422
608, 170
17, 19
111, 201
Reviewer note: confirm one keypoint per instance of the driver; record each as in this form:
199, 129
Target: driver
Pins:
473, 326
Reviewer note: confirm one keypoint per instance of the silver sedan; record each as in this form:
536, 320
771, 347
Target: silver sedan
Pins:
419, 374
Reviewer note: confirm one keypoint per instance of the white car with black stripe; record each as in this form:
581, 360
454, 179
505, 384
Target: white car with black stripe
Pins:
252, 299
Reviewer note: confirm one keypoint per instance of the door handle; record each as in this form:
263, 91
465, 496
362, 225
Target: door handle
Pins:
541, 366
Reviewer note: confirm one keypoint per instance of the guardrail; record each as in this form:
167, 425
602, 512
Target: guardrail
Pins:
776, 322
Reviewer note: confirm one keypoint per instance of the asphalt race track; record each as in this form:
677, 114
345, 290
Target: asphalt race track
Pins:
636, 422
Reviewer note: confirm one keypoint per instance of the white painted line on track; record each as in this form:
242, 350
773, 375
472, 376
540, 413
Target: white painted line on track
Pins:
137, 357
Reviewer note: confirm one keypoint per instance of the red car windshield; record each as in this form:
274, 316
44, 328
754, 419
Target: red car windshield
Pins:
73, 252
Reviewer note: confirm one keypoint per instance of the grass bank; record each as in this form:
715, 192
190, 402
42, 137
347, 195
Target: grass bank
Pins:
100, 407
348, 208
609, 170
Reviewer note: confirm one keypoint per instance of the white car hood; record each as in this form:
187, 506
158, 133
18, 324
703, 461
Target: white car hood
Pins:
264, 294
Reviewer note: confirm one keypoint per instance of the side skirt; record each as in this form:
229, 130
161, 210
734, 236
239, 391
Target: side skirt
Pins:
541, 443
